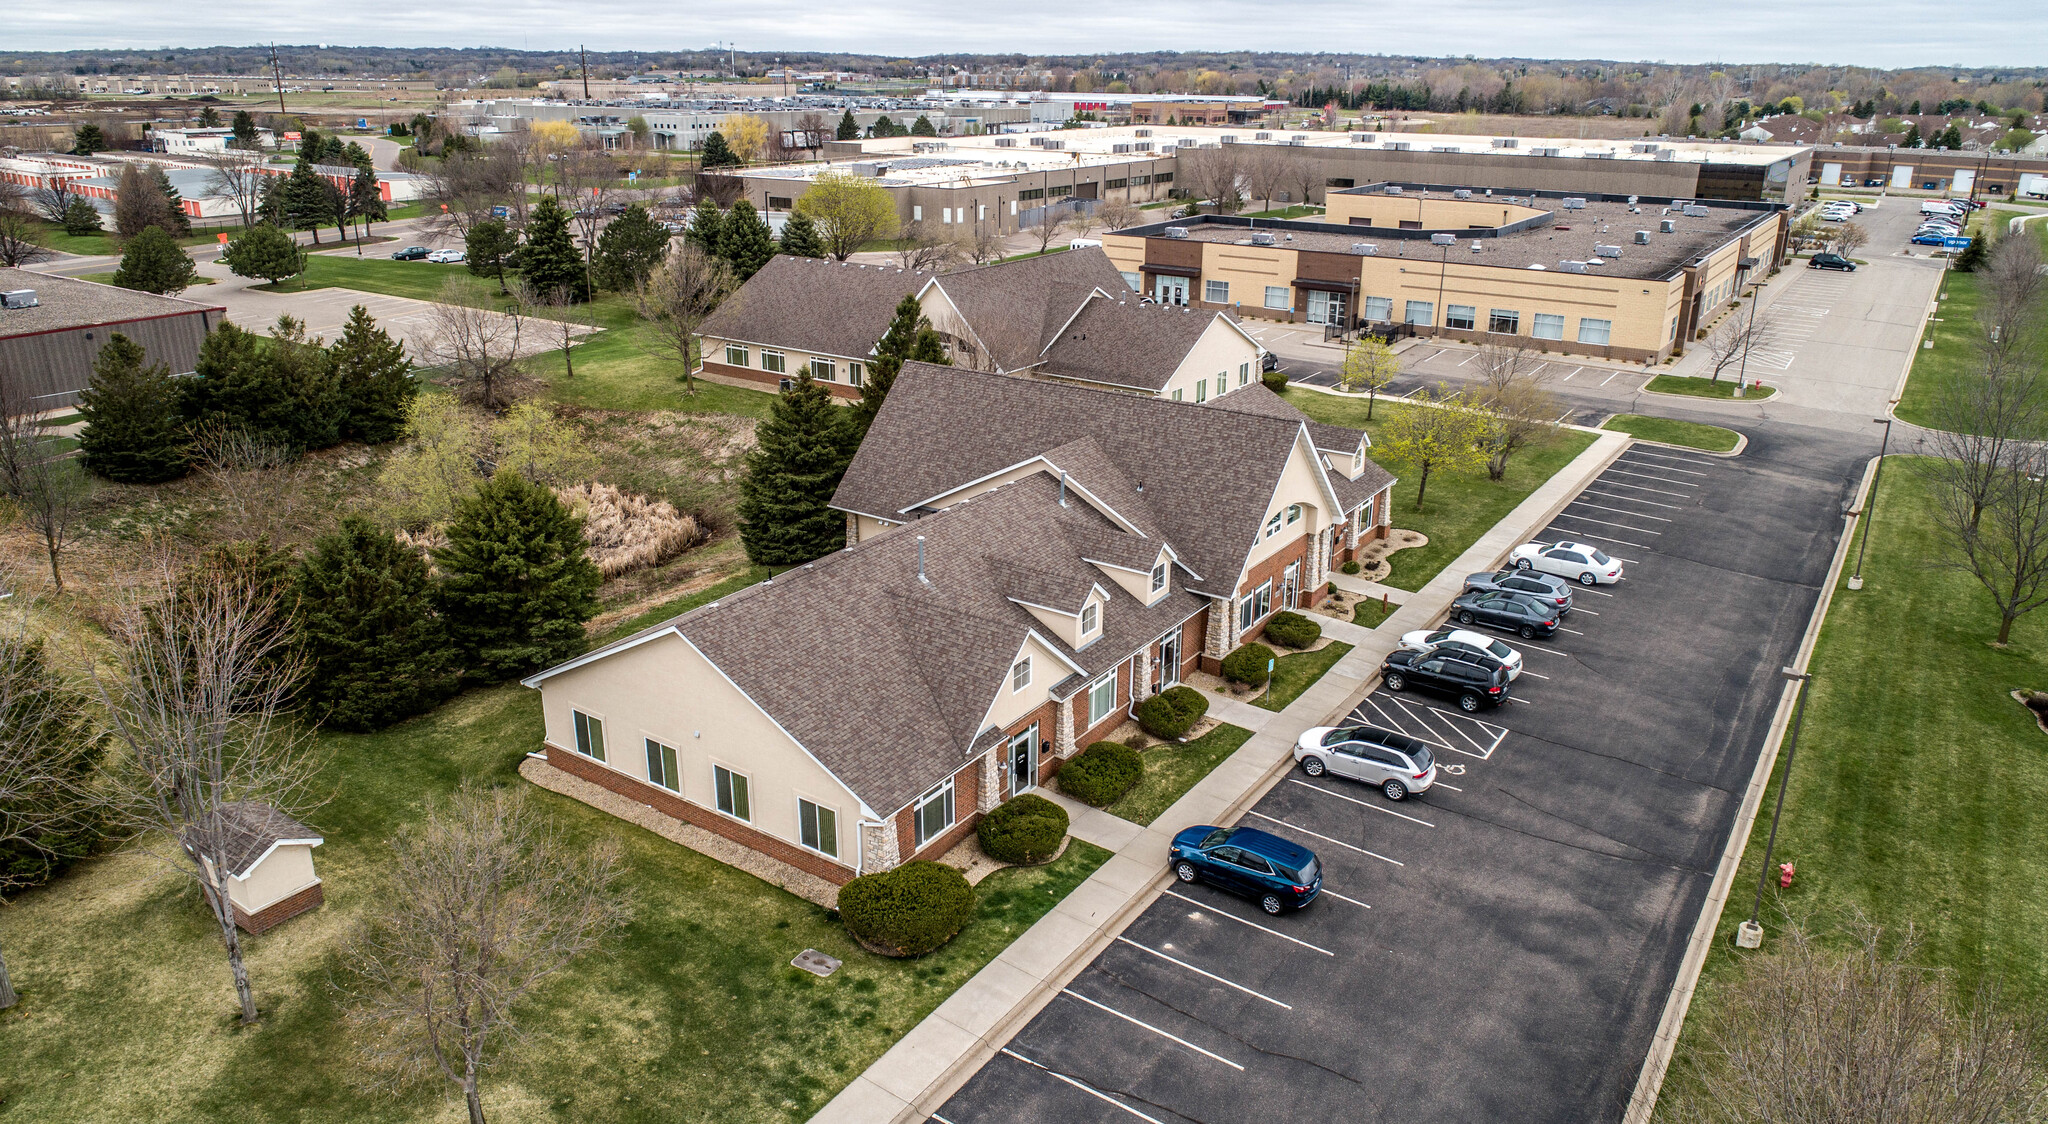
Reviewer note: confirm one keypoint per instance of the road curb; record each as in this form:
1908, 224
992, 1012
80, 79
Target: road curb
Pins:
1891, 409
1650, 1082
1741, 443
1645, 389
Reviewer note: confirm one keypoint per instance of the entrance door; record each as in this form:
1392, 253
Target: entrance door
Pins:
1325, 308
1024, 761
1169, 659
1169, 290
1290, 585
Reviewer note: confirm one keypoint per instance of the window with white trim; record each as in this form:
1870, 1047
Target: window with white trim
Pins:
916, 213
1503, 321
661, 766
1177, 394
732, 791
589, 735
1293, 514
1216, 292
1272, 526
735, 355
1379, 309
1420, 313
1595, 331
1101, 699
1020, 674
817, 827
1277, 296
1091, 615
854, 373
772, 361
824, 370
933, 813
1159, 576
1222, 384
1201, 390
1461, 316
1547, 326
1244, 373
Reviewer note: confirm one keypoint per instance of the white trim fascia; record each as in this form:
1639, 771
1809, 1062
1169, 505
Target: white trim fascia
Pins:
315, 841
959, 315
783, 347
1035, 605
1334, 505
1069, 321
1098, 502
984, 478
595, 654
1094, 500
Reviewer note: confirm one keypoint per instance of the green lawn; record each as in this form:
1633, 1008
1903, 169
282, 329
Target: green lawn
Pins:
1999, 221
1919, 793
692, 1014
1954, 355
1692, 435
1461, 506
1706, 388
1298, 211
1292, 674
1371, 614
1170, 770
103, 243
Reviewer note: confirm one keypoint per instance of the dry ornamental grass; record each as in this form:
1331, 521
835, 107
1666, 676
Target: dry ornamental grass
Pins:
627, 532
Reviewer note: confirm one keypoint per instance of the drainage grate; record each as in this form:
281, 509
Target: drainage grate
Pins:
815, 962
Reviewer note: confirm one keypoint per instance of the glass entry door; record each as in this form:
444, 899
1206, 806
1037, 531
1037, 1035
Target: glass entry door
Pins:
1325, 308
1290, 586
1169, 290
1023, 768
1169, 659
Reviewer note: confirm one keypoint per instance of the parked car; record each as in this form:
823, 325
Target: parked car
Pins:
1574, 561
1396, 764
1274, 872
1269, 362
1831, 261
1540, 586
1473, 647
1873, 181
1473, 686
411, 253
1936, 238
445, 257
1511, 611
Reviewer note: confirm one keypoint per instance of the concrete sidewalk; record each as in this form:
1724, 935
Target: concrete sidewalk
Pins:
928, 1064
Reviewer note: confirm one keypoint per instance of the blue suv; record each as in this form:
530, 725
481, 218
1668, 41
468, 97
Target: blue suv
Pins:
1276, 873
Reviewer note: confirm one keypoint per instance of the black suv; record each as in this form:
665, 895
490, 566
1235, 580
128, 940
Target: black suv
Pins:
1473, 686
1514, 612
1831, 261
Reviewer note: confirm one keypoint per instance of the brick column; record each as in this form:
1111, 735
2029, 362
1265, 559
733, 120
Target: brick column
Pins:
1063, 730
878, 846
991, 790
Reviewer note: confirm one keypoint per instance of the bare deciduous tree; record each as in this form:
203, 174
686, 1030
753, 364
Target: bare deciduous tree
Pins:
1267, 172
926, 245
1519, 412
1984, 422
492, 903
1849, 238
1743, 332
204, 670
236, 175
2000, 535
479, 344
559, 317
2010, 314
462, 189
984, 244
1810, 1034
678, 297
1117, 214
260, 483
47, 487
1214, 175
18, 245
52, 199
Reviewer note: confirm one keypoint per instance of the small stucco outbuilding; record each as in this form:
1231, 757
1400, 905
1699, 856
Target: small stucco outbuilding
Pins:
269, 863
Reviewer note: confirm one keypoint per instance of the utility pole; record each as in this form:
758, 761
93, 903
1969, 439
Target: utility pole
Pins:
585, 57
277, 75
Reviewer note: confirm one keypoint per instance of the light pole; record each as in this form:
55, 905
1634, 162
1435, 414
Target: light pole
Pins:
1748, 340
1869, 503
1750, 934
1437, 314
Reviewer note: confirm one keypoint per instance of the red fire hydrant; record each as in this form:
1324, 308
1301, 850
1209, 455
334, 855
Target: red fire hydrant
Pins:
1784, 876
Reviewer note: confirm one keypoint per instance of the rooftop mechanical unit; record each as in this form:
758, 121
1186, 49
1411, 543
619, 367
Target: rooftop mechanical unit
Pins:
1642, 237
1574, 203
1262, 237
1461, 193
1364, 138
1443, 239
1546, 151
19, 298
1571, 267
1262, 136
1182, 232
1668, 226
1393, 189
1006, 142
1643, 148
1228, 138
1697, 212
1506, 142
1366, 249
1606, 251
1144, 132
1398, 146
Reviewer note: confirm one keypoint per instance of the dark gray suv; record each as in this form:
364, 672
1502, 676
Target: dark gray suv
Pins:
1540, 587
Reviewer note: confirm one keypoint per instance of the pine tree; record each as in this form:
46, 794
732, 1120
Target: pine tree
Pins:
630, 248
245, 130
550, 261
1951, 138
1972, 256
267, 252
365, 198
375, 379
81, 217
488, 248
707, 226
1912, 137
209, 118
306, 203
849, 129
281, 392
904, 340
745, 241
62, 748
317, 409
516, 585
89, 139
717, 154
883, 127
132, 433
800, 237
174, 217
922, 127
154, 263
801, 451
378, 651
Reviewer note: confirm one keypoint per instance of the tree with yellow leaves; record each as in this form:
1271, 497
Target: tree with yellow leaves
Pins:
747, 136
555, 136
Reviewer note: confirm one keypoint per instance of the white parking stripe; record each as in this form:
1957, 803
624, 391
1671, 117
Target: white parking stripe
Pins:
1659, 479
1328, 893
1573, 631
1261, 928
1524, 702
1601, 592
1327, 839
1538, 370
1360, 803
1608, 379
1526, 671
1210, 975
1468, 359
1568, 378
1679, 457
1660, 467
1640, 487
1169, 1036
1633, 499
1588, 612
1620, 510
1609, 523
1612, 539
1439, 784
1084, 1087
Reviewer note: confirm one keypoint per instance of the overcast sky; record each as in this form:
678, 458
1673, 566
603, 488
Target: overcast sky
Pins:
1880, 33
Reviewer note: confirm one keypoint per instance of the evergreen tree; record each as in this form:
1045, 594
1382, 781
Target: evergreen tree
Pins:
922, 127
630, 248
707, 226
1972, 255
800, 237
245, 130
516, 585
375, 379
209, 118
81, 217
489, 248
1951, 138
549, 260
801, 451
910, 336
174, 219
849, 129
133, 433
64, 748
929, 348
883, 127
89, 139
1912, 137
270, 203
318, 410
154, 263
306, 203
717, 154
311, 145
281, 392
378, 652
267, 252
365, 199
745, 241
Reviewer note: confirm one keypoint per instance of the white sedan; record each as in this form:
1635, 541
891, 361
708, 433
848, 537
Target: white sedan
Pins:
1464, 642
1574, 560
445, 257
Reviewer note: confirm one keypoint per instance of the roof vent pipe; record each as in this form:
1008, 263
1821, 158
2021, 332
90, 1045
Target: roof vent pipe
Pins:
1063, 488
920, 561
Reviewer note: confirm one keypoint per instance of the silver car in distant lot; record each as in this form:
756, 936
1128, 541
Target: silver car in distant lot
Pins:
1396, 764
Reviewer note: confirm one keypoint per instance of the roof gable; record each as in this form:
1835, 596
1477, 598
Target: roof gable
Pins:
1015, 308
814, 305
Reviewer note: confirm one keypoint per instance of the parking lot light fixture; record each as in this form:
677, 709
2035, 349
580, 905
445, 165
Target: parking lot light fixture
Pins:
1870, 502
1750, 934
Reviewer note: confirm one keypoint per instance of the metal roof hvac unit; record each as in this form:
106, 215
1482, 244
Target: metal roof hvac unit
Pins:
1461, 193
1119, 149
1297, 138
1175, 232
1297, 142
1667, 155
1398, 146
1642, 237
19, 298
1364, 138
1443, 239
1445, 148
1038, 142
1601, 155
1143, 146
1262, 237
1006, 142
1143, 132
1506, 142
1262, 136
1606, 251
1572, 267
1055, 144
1365, 249
1639, 149
1574, 203
1696, 212
1668, 226
1392, 189
1546, 151
1228, 138
870, 170
1477, 245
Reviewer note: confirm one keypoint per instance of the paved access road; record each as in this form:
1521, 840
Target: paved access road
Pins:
1501, 948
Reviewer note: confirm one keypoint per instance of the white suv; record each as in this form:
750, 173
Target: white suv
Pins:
1396, 764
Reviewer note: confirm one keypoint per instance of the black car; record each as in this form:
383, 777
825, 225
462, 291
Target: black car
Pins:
411, 253
1473, 686
1514, 612
1831, 261
1269, 362
1541, 587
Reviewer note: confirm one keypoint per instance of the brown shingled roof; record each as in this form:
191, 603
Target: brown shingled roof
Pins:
811, 304
1121, 341
244, 832
1016, 307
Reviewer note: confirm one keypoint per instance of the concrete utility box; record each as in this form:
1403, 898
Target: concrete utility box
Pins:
269, 857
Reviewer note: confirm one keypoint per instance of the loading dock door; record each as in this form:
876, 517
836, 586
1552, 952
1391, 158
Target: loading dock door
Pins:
1902, 176
1830, 175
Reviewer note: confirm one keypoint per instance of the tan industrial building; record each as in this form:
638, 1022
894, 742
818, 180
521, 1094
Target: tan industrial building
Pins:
52, 328
1606, 276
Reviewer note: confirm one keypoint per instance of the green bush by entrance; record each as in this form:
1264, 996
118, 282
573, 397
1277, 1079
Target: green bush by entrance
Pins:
907, 911
1026, 830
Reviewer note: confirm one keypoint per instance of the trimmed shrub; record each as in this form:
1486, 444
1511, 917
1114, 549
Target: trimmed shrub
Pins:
1351, 567
1025, 829
906, 911
1293, 630
1172, 712
1102, 773
1247, 665
1276, 381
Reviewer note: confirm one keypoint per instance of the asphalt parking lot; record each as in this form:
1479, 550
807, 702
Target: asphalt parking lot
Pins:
1501, 947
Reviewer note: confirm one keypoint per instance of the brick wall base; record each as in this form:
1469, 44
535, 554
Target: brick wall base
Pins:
669, 804
770, 381
270, 916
